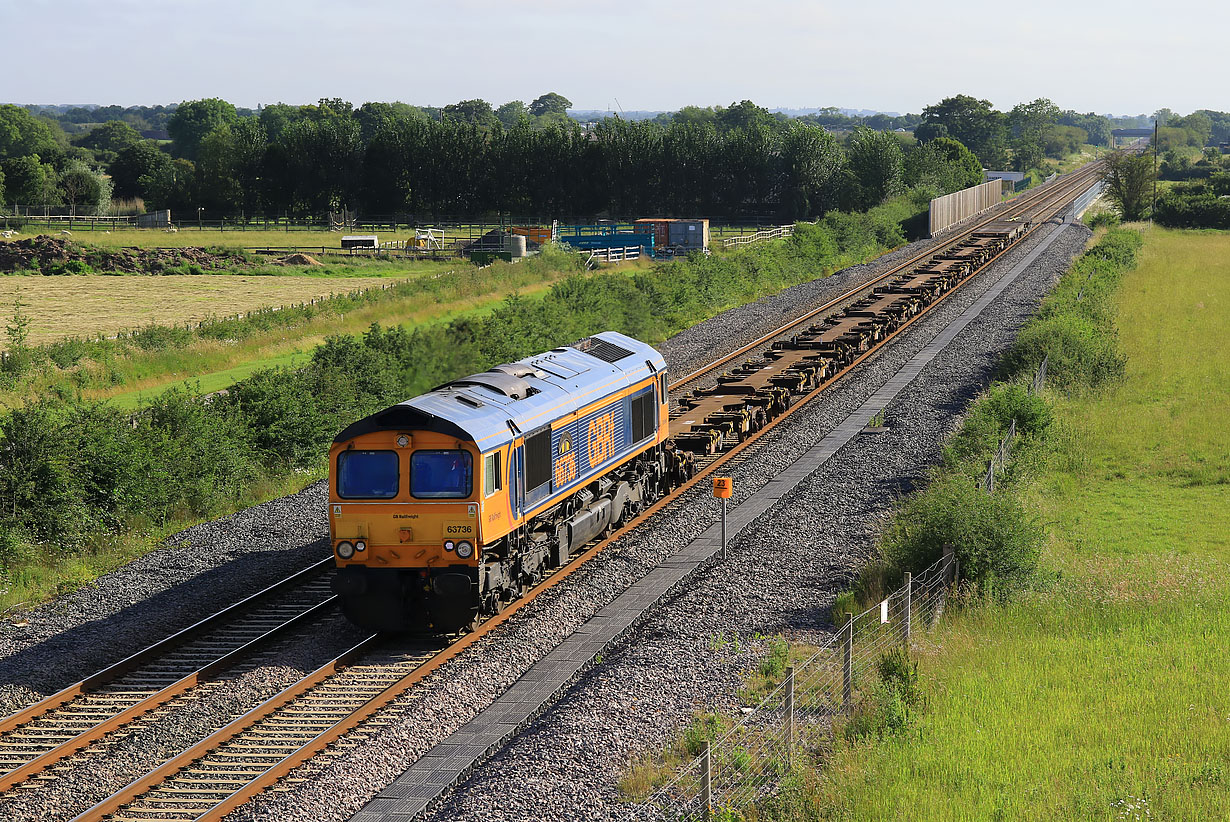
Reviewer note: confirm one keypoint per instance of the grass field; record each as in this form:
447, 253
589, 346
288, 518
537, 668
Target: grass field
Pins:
209, 364
189, 236
1103, 693
88, 305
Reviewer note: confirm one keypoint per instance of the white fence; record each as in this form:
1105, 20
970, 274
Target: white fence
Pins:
613, 255
767, 234
961, 205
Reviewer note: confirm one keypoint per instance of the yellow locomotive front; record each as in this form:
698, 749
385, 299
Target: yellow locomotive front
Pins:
404, 514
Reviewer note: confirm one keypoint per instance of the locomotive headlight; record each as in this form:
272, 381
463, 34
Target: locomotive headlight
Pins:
464, 549
345, 550
448, 545
360, 545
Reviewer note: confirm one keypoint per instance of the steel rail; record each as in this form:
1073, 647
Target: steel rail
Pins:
1022, 205
1052, 201
117, 711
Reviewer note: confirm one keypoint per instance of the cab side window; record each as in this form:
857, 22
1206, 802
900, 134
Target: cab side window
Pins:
493, 479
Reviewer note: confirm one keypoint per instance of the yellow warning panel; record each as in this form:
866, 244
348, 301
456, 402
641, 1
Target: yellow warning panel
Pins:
723, 487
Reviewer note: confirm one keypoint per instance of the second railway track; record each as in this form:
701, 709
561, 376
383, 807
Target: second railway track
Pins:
225, 770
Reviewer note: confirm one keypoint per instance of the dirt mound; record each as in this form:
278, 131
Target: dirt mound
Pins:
59, 255
299, 259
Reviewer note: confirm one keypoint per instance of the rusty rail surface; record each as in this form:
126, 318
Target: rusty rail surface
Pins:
225, 770
57, 726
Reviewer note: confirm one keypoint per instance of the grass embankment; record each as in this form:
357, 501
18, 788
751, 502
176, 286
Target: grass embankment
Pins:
1098, 692
85, 487
127, 369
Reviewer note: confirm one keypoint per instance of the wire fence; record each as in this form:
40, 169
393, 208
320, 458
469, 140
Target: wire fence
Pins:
746, 764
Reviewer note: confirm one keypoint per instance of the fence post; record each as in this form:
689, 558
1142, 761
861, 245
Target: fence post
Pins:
790, 715
909, 597
706, 779
847, 666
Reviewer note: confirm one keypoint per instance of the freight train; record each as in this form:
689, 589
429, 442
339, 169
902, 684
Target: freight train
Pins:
445, 507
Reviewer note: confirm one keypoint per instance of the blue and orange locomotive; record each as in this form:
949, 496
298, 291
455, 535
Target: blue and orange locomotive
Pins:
446, 506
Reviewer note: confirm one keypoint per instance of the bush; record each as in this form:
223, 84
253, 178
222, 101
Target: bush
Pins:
992, 534
1103, 219
989, 418
1075, 328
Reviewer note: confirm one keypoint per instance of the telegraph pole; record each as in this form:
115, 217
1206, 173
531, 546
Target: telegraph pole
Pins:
1153, 205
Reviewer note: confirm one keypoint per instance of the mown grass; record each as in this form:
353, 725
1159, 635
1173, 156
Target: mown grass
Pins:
1100, 693
85, 306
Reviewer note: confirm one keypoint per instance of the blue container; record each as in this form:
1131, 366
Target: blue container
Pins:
607, 235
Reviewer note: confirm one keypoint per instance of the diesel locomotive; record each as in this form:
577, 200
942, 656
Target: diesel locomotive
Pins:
447, 506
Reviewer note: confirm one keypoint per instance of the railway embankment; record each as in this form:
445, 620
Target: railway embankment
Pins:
1092, 687
222, 560
782, 573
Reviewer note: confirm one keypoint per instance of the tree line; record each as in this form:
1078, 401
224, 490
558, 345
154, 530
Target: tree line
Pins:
470, 159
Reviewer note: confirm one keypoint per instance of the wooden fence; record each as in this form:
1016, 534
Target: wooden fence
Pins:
961, 205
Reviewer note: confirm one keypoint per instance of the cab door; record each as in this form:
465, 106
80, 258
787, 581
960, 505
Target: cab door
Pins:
516, 496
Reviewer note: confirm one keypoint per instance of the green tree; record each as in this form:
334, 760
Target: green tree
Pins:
1060, 141
193, 120
230, 165
171, 185
141, 159
84, 189
550, 103
472, 112
1029, 123
876, 164
22, 135
372, 117
1129, 183
743, 115
113, 136
943, 164
973, 122
31, 181
511, 113
812, 161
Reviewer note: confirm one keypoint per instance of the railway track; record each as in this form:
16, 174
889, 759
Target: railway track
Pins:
254, 752
105, 705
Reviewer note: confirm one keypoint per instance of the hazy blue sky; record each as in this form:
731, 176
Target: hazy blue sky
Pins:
891, 55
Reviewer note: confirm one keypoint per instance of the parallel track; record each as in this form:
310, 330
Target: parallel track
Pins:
227, 769
106, 703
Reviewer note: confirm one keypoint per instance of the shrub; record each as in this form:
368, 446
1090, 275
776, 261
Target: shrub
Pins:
1079, 354
892, 702
992, 534
989, 418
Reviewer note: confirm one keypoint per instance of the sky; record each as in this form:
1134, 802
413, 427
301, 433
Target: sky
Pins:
887, 55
